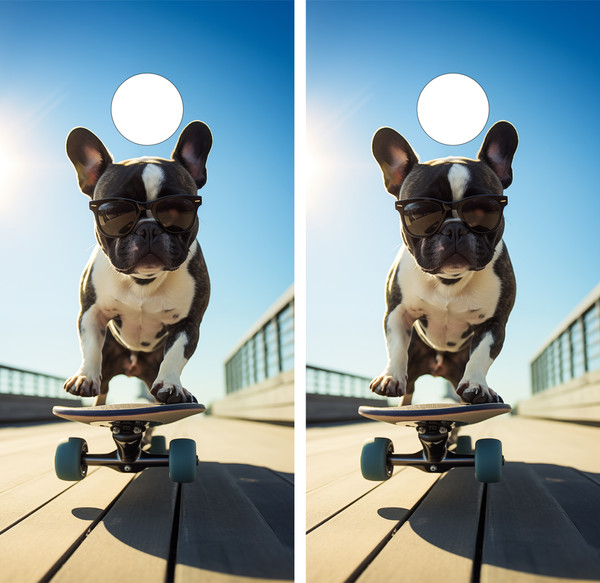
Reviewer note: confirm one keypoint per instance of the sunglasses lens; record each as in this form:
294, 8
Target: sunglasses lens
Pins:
422, 218
481, 214
176, 214
116, 218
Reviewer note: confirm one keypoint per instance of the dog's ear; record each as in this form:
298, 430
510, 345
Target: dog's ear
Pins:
192, 150
89, 156
395, 157
498, 149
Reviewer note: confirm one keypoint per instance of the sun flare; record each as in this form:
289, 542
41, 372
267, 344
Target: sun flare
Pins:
8, 174
4, 167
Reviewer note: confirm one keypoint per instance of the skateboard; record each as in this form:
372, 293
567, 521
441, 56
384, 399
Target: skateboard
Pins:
434, 424
128, 424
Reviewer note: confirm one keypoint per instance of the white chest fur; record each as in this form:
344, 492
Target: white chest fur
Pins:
444, 315
138, 315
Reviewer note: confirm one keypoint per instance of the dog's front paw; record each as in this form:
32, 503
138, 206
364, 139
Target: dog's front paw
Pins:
165, 392
82, 385
473, 393
388, 386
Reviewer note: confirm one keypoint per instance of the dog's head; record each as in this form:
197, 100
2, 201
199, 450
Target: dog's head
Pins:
451, 208
145, 208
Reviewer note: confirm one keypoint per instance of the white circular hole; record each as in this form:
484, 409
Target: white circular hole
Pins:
147, 109
453, 109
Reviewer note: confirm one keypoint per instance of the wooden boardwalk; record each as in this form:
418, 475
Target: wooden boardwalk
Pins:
235, 523
541, 523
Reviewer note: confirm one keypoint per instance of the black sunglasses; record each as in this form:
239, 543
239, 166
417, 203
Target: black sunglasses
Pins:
423, 217
116, 217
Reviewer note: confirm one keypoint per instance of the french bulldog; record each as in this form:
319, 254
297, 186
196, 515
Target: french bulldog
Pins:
451, 288
145, 288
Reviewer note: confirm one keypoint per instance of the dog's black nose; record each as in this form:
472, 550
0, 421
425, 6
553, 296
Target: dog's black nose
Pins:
454, 230
149, 230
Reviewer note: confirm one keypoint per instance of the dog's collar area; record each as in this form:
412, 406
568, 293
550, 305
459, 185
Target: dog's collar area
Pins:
449, 281
143, 281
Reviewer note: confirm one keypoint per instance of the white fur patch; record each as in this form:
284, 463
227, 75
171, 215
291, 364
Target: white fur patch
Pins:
458, 177
153, 177
448, 309
145, 310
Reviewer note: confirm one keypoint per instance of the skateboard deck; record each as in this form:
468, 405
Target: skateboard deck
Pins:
149, 413
412, 415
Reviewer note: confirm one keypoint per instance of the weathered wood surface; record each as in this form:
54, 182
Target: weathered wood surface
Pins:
539, 524
235, 523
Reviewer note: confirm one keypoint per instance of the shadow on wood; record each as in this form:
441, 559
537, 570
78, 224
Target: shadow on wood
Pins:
235, 520
541, 519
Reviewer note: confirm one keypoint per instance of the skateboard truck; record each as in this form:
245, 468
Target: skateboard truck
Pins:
129, 456
434, 439
435, 457
128, 439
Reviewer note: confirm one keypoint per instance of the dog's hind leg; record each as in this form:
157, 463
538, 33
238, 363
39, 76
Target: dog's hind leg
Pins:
410, 389
419, 358
101, 398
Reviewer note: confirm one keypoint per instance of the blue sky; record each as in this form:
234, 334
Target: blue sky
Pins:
367, 63
60, 64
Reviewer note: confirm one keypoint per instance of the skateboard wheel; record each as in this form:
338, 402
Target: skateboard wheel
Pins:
182, 460
464, 445
374, 463
158, 444
488, 460
68, 462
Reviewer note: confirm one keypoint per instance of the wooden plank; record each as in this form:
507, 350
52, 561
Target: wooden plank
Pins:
236, 441
567, 509
541, 441
223, 537
335, 452
329, 499
30, 450
578, 496
18, 502
34, 546
593, 477
135, 534
271, 494
14, 438
27, 478
338, 547
528, 534
589, 413
255, 487
333, 464
439, 540
335, 471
